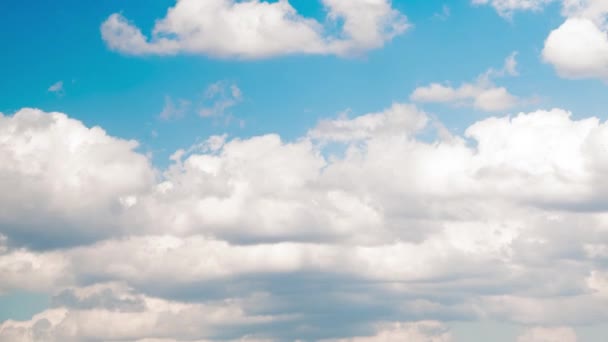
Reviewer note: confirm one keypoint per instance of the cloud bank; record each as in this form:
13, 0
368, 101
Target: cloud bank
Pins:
262, 239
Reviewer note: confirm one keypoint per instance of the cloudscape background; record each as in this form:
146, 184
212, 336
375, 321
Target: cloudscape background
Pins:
304, 170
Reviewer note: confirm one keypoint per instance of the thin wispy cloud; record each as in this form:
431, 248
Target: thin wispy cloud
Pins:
57, 88
174, 109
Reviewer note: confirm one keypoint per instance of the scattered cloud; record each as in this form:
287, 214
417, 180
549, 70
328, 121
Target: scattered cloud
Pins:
444, 14
57, 88
258, 29
399, 118
220, 97
482, 94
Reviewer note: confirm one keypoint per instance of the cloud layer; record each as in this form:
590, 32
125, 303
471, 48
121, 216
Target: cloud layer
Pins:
263, 239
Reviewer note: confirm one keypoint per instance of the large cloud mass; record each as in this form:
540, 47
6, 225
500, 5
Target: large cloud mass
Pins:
371, 228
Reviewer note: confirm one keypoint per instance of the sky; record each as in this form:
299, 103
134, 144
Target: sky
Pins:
304, 170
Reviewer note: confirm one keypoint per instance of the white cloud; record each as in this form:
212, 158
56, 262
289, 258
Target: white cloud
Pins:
127, 316
506, 8
399, 119
481, 94
394, 228
258, 29
578, 49
425, 331
558, 334
25, 270
56, 174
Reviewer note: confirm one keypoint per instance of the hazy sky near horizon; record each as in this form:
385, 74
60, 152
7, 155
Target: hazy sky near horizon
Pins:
304, 170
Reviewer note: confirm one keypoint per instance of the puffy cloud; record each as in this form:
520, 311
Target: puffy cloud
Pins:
140, 318
258, 29
578, 49
482, 94
56, 174
28, 271
558, 334
359, 219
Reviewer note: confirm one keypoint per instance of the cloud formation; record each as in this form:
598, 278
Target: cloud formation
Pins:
259, 29
506, 8
263, 239
481, 94
578, 48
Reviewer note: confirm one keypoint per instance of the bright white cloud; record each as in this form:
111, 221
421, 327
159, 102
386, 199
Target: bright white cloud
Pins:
481, 94
57, 174
392, 227
258, 29
578, 49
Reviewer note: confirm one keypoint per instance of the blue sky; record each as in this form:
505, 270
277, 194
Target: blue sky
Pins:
288, 94
413, 134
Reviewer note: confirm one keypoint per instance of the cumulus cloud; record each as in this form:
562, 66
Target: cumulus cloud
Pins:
266, 238
481, 94
56, 174
578, 49
258, 29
